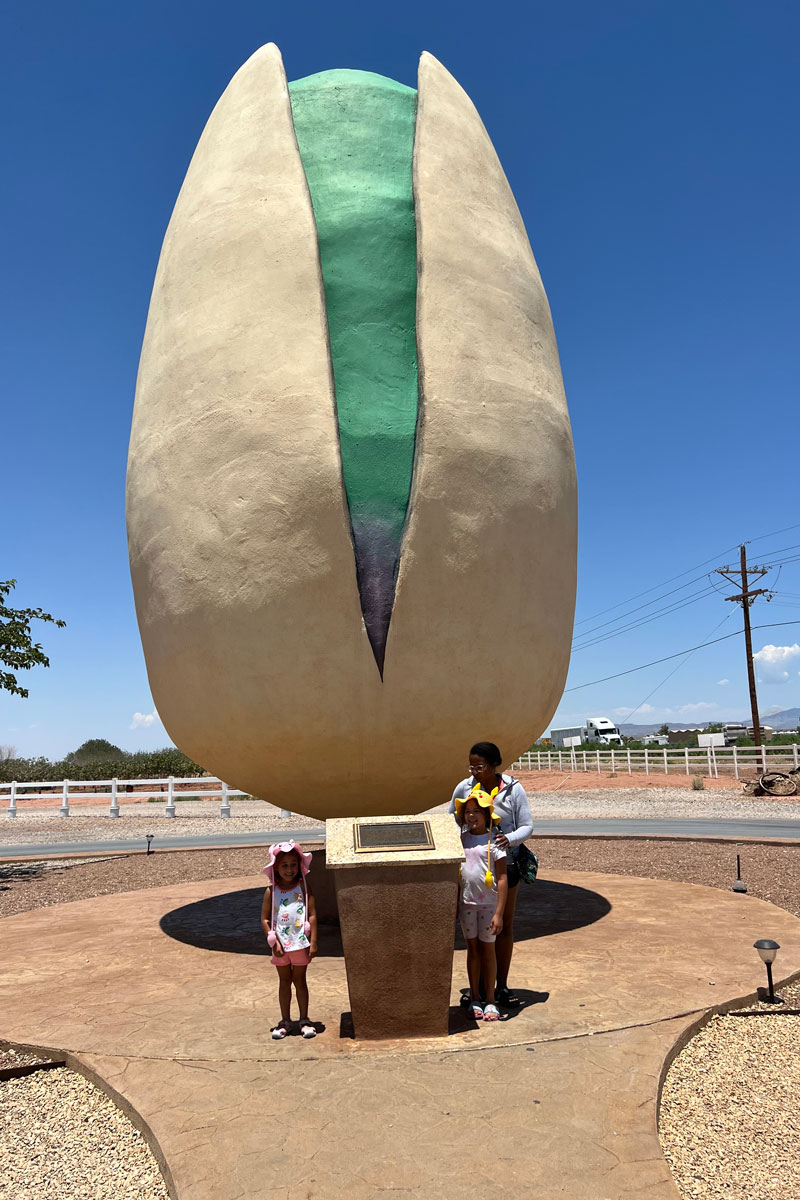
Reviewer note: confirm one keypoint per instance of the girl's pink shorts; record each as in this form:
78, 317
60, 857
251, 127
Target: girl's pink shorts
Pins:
291, 958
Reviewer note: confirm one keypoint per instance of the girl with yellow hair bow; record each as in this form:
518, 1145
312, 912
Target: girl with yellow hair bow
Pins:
484, 889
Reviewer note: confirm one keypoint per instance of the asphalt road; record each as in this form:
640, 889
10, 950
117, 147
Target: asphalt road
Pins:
135, 845
745, 830
655, 828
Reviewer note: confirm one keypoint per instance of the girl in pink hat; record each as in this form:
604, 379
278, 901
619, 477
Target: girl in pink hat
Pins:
289, 920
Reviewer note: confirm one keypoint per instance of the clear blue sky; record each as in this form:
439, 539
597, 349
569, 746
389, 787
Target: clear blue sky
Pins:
651, 145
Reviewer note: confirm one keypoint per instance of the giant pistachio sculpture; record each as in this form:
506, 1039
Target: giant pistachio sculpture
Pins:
351, 486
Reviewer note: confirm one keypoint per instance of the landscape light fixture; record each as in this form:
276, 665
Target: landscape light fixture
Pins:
739, 886
767, 949
149, 837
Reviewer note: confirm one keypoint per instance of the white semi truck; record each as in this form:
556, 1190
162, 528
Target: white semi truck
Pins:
563, 739
596, 731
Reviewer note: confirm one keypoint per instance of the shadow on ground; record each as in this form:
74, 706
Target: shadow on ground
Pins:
546, 907
460, 1019
9, 872
232, 922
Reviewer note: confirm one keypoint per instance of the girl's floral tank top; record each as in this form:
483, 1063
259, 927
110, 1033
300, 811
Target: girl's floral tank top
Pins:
290, 918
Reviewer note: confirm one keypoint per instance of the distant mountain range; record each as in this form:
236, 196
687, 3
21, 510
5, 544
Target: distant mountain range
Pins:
789, 718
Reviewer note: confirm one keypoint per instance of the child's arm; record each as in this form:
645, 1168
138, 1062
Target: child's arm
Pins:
502, 895
312, 920
266, 923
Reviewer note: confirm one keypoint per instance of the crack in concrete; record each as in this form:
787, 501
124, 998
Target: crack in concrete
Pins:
361, 1058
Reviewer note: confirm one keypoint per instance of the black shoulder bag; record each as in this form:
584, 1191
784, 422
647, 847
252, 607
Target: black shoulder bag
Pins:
525, 866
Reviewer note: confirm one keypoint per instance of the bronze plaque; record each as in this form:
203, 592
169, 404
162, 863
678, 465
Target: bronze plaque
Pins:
408, 835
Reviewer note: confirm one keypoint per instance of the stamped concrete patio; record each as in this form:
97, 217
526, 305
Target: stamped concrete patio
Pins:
166, 998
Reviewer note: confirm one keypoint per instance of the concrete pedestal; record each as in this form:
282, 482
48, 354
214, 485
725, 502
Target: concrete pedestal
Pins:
397, 911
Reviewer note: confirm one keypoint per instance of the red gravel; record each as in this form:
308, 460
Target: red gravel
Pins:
574, 781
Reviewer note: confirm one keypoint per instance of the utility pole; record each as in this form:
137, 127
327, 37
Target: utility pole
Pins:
746, 597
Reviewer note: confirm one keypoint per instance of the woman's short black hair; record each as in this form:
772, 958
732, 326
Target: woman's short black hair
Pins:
489, 751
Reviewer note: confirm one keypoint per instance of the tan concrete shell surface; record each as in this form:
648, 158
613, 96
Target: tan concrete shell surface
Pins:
240, 547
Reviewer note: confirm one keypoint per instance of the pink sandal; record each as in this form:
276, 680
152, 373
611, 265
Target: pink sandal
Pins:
490, 1013
477, 1011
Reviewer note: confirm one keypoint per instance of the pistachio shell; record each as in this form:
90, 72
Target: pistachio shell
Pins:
240, 543
487, 576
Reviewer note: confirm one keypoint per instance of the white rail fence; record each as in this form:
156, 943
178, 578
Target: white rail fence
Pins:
706, 760
201, 788
690, 760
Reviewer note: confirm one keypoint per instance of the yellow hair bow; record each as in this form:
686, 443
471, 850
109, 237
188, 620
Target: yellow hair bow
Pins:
485, 800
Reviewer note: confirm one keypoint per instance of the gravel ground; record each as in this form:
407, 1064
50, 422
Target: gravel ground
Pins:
729, 1120
18, 1058
196, 817
64, 1139
202, 818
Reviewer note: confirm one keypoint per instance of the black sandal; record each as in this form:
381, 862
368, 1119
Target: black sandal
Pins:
507, 998
466, 997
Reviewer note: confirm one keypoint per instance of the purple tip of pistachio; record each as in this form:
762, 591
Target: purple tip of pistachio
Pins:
377, 556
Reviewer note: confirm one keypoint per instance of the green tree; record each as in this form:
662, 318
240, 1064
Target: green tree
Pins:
17, 648
142, 764
664, 730
95, 750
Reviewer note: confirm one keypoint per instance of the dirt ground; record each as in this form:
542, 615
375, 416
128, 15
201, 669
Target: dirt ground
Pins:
573, 781
771, 872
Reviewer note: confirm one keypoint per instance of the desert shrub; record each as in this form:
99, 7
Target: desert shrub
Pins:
697, 783
95, 750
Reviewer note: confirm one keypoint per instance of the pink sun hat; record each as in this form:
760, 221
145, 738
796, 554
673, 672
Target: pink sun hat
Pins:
286, 848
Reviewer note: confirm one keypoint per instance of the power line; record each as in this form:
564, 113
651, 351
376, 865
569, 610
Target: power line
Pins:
647, 591
762, 537
647, 604
655, 662
583, 641
665, 612
677, 668
713, 584
587, 638
675, 607
715, 558
780, 549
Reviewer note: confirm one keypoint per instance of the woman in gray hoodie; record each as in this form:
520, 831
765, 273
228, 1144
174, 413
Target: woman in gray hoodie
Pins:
516, 824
